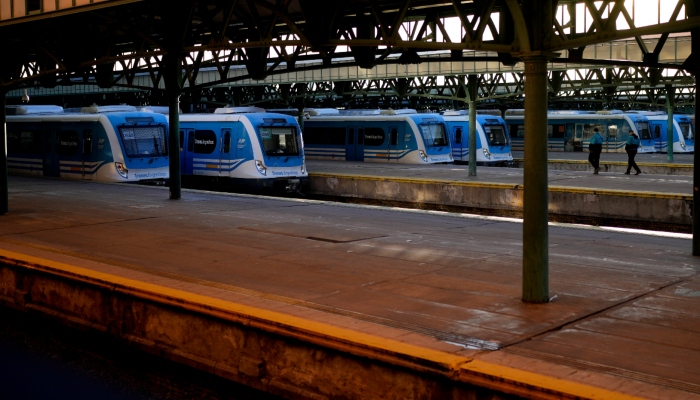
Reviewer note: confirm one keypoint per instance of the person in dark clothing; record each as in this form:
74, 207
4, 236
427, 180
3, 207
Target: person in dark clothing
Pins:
595, 147
631, 149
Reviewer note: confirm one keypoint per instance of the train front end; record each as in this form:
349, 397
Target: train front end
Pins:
432, 143
277, 161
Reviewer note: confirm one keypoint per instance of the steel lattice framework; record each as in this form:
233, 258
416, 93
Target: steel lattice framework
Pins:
125, 45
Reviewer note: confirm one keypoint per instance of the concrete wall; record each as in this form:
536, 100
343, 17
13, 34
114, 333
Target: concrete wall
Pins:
508, 199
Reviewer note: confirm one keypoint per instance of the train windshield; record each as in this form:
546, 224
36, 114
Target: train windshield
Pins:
144, 141
644, 132
433, 135
686, 130
279, 141
496, 135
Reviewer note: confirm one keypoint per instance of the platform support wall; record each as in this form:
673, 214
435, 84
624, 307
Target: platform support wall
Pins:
471, 88
4, 191
173, 72
536, 196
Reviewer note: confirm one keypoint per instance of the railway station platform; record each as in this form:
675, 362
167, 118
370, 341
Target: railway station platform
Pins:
651, 163
318, 300
652, 201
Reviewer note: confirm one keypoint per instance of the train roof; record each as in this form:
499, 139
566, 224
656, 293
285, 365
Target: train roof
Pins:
238, 110
33, 110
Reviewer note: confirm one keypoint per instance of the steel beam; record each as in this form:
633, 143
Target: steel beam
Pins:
694, 9
173, 73
472, 84
670, 94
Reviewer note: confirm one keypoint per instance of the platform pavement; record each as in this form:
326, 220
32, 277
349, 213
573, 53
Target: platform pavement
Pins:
432, 288
653, 158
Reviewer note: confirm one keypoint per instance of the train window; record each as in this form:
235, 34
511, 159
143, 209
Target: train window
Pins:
67, 143
556, 131
588, 130
25, 142
227, 142
612, 131
657, 132
433, 135
325, 136
144, 141
686, 130
518, 129
496, 135
374, 136
394, 137
279, 141
458, 135
643, 128
204, 142
182, 139
87, 142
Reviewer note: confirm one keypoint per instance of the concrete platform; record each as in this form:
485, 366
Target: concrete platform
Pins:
317, 300
605, 199
649, 163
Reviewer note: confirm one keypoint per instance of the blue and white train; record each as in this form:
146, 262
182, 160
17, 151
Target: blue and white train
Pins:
245, 145
572, 130
492, 141
401, 136
106, 144
683, 133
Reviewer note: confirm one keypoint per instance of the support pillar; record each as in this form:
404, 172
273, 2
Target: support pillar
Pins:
173, 77
670, 94
4, 190
694, 9
536, 191
472, 89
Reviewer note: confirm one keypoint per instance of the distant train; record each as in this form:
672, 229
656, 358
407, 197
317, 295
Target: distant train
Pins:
400, 136
571, 130
246, 145
683, 132
492, 141
106, 144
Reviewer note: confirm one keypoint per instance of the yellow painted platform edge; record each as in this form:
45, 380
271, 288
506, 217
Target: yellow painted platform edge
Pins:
529, 381
557, 385
447, 360
557, 189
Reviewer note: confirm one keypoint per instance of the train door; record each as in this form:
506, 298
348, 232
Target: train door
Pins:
225, 152
458, 144
87, 154
360, 145
186, 150
611, 142
51, 164
658, 145
569, 138
355, 145
578, 138
393, 143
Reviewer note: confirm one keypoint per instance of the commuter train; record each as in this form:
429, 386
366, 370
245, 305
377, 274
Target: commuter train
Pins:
245, 145
400, 136
492, 142
571, 130
683, 132
106, 144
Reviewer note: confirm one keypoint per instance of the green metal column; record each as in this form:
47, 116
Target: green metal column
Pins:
4, 190
536, 194
670, 94
472, 89
173, 76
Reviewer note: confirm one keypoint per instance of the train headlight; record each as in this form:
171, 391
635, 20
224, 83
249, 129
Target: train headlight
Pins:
422, 155
487, 154
303, 167
121, 170
683, 145
261, 167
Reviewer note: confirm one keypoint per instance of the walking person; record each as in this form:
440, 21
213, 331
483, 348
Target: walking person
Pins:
631, 147
595, 147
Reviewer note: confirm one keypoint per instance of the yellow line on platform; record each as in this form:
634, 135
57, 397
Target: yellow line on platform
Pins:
488, 375
486, 185
499, 374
